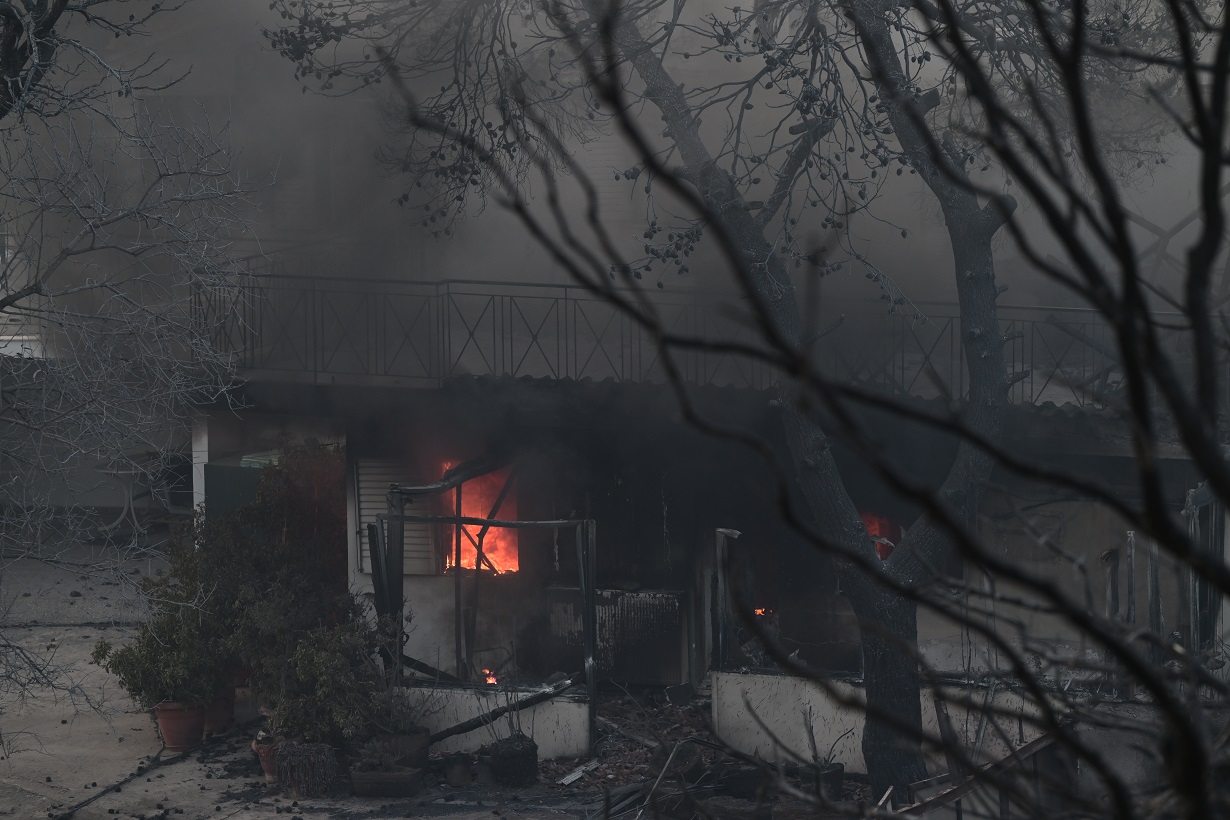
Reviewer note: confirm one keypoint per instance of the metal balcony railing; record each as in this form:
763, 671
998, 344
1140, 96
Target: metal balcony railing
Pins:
423, 334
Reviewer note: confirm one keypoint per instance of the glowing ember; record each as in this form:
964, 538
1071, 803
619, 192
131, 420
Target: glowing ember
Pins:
763, 610
490, 677
478, 495
883, 532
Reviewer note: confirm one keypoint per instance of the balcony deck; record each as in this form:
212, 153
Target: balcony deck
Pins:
420, 335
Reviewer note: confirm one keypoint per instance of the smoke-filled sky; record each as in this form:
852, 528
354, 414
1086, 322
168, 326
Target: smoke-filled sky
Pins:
330, 207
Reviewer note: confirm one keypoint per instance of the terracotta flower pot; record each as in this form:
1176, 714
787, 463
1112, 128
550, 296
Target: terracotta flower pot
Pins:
220, 713
182, 727
268, 753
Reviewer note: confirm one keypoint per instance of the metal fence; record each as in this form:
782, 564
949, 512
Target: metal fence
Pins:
422, 334
1059, 355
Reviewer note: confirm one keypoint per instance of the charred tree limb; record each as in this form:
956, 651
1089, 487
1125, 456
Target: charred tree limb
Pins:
516, 706
427, 669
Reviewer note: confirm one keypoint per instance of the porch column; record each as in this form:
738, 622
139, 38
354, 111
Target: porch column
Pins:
200, 456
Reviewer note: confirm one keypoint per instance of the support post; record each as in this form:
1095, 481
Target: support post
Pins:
394, 557
587, 535
1111, 559
1130, 618
375, 556
462, 672
479, 559
1155, 604
200, 457
721, 598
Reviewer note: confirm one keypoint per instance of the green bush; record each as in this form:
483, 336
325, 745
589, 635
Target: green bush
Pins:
327, 686
173, 659
263, 590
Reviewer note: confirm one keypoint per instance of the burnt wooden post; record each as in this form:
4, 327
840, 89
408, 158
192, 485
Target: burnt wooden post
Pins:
395, 557
1111, 601
587, 536
1131, 578
462, 671
479, 558
375, 556
1111, 559
1155, 604
721, 598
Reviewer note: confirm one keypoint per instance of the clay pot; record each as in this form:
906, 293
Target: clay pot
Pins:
514, 760
182, 727
220, 713
830, 778
268, 753
458, 769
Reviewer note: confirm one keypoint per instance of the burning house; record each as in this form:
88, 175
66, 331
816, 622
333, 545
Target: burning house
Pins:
627, 541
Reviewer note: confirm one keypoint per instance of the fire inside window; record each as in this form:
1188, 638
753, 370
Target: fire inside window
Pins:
883, 531
478, 498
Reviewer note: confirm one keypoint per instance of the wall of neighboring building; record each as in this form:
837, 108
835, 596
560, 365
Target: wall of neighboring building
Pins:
246, 440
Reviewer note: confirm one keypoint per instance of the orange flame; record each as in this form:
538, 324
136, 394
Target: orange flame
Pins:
883, 531
478, 495
763, 610
490, 677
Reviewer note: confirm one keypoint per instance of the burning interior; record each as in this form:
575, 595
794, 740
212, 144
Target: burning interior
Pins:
493, 602
492, 495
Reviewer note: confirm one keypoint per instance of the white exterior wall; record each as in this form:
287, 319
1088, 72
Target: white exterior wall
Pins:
742, 702
560, 727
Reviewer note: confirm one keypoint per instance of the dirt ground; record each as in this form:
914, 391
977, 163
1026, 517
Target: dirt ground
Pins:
90, 753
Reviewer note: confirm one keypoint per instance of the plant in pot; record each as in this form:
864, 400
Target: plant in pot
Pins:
377, 772
826, 772
266, 746
395, 718
172, 668
322, 702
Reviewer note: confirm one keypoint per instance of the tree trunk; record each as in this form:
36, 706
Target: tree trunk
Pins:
888, 623
888, 632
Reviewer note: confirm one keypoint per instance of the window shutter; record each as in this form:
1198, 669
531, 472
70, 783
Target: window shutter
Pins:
372, 480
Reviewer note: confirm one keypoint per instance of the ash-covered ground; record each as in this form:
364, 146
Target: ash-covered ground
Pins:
87, 752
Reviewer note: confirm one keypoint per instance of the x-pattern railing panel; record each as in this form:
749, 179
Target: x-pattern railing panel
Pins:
285, 328
406, 336
430, 332
346, 328
600, 340
536, 337
471, 336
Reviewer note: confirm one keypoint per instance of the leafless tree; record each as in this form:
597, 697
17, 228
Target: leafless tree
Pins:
781, 125
116, 213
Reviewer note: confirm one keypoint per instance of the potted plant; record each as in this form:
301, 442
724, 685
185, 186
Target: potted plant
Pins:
325, 690
378, 773
828, 773
170, 667
395, 718
266, 746
320, 703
